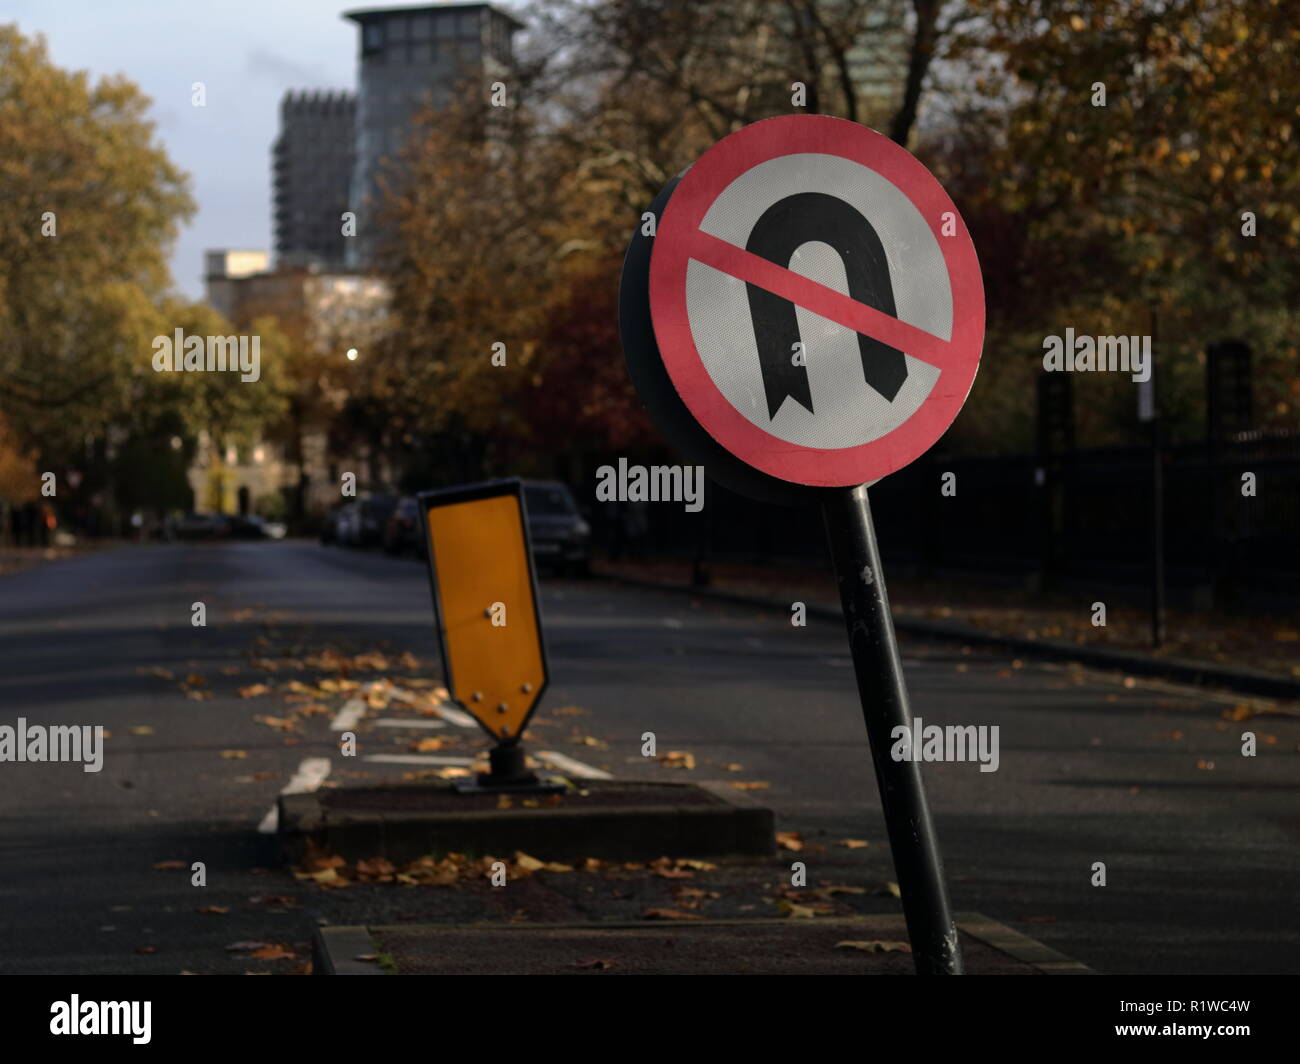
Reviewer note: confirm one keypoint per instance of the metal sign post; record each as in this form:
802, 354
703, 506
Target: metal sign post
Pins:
1149, 412
807, 318
879, 672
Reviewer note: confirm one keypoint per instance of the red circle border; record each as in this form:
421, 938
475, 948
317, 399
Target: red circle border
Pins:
715, 170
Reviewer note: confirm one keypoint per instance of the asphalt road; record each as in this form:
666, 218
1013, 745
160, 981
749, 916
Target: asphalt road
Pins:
1199, 843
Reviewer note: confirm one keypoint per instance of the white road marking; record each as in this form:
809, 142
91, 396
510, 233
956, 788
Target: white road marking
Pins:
353, 710
574, 768
455, 716
310, 775
418, 759
409, 722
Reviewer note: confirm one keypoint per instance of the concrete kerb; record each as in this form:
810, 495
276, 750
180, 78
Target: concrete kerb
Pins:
1179, 670
358, 950
684, 819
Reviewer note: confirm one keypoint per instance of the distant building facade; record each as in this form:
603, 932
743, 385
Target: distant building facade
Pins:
312, 163
223, 268
411, 58
326, 314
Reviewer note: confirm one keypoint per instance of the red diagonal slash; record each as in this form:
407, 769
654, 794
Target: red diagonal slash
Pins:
830, 304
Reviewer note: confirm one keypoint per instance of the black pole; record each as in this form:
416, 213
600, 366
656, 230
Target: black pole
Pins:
879, 671
1157, 537
1157, 507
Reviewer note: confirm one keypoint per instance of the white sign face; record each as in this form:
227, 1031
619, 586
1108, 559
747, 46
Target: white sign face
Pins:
846, 410
816, 301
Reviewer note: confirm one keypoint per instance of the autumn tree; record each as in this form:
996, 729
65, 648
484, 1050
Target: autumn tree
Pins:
91, 202
1128, 166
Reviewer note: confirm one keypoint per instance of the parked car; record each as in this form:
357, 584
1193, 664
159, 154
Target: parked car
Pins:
197, 526
329, 528
402, 533
347, 524
252, 526
561, 538
361, 522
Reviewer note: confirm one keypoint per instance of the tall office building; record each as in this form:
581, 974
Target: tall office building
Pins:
410, 58
312, 164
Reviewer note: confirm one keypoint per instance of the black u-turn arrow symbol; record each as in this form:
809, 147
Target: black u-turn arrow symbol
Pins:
781, 230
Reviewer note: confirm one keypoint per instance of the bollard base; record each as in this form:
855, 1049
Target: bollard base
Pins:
509, 774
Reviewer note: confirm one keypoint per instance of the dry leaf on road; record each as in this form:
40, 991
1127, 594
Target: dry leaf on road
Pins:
677, 759
875, 946
789, 840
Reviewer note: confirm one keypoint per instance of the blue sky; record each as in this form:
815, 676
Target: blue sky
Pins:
246, 52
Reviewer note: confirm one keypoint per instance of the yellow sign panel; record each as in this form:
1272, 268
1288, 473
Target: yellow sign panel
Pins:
485, 599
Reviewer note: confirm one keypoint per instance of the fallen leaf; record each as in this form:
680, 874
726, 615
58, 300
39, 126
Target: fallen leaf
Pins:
170, 866
677, 759
789, 840
140, 729
875, 946
750, 785
283, 900
213, 910
234, 755
254, 690
668, 914
853, 844
596, 964
375, 868
273, 953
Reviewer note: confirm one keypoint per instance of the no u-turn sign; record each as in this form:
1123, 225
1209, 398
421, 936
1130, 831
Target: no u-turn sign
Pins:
816, 301
807, 319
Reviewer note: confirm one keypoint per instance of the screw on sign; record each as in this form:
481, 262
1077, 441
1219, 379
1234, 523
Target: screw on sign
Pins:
807, 319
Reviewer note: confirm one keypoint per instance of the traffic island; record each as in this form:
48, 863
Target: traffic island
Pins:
626, 820
869, 945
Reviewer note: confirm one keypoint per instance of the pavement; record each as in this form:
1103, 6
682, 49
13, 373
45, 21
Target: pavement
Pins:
864, 945
97, 869
1255, 654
